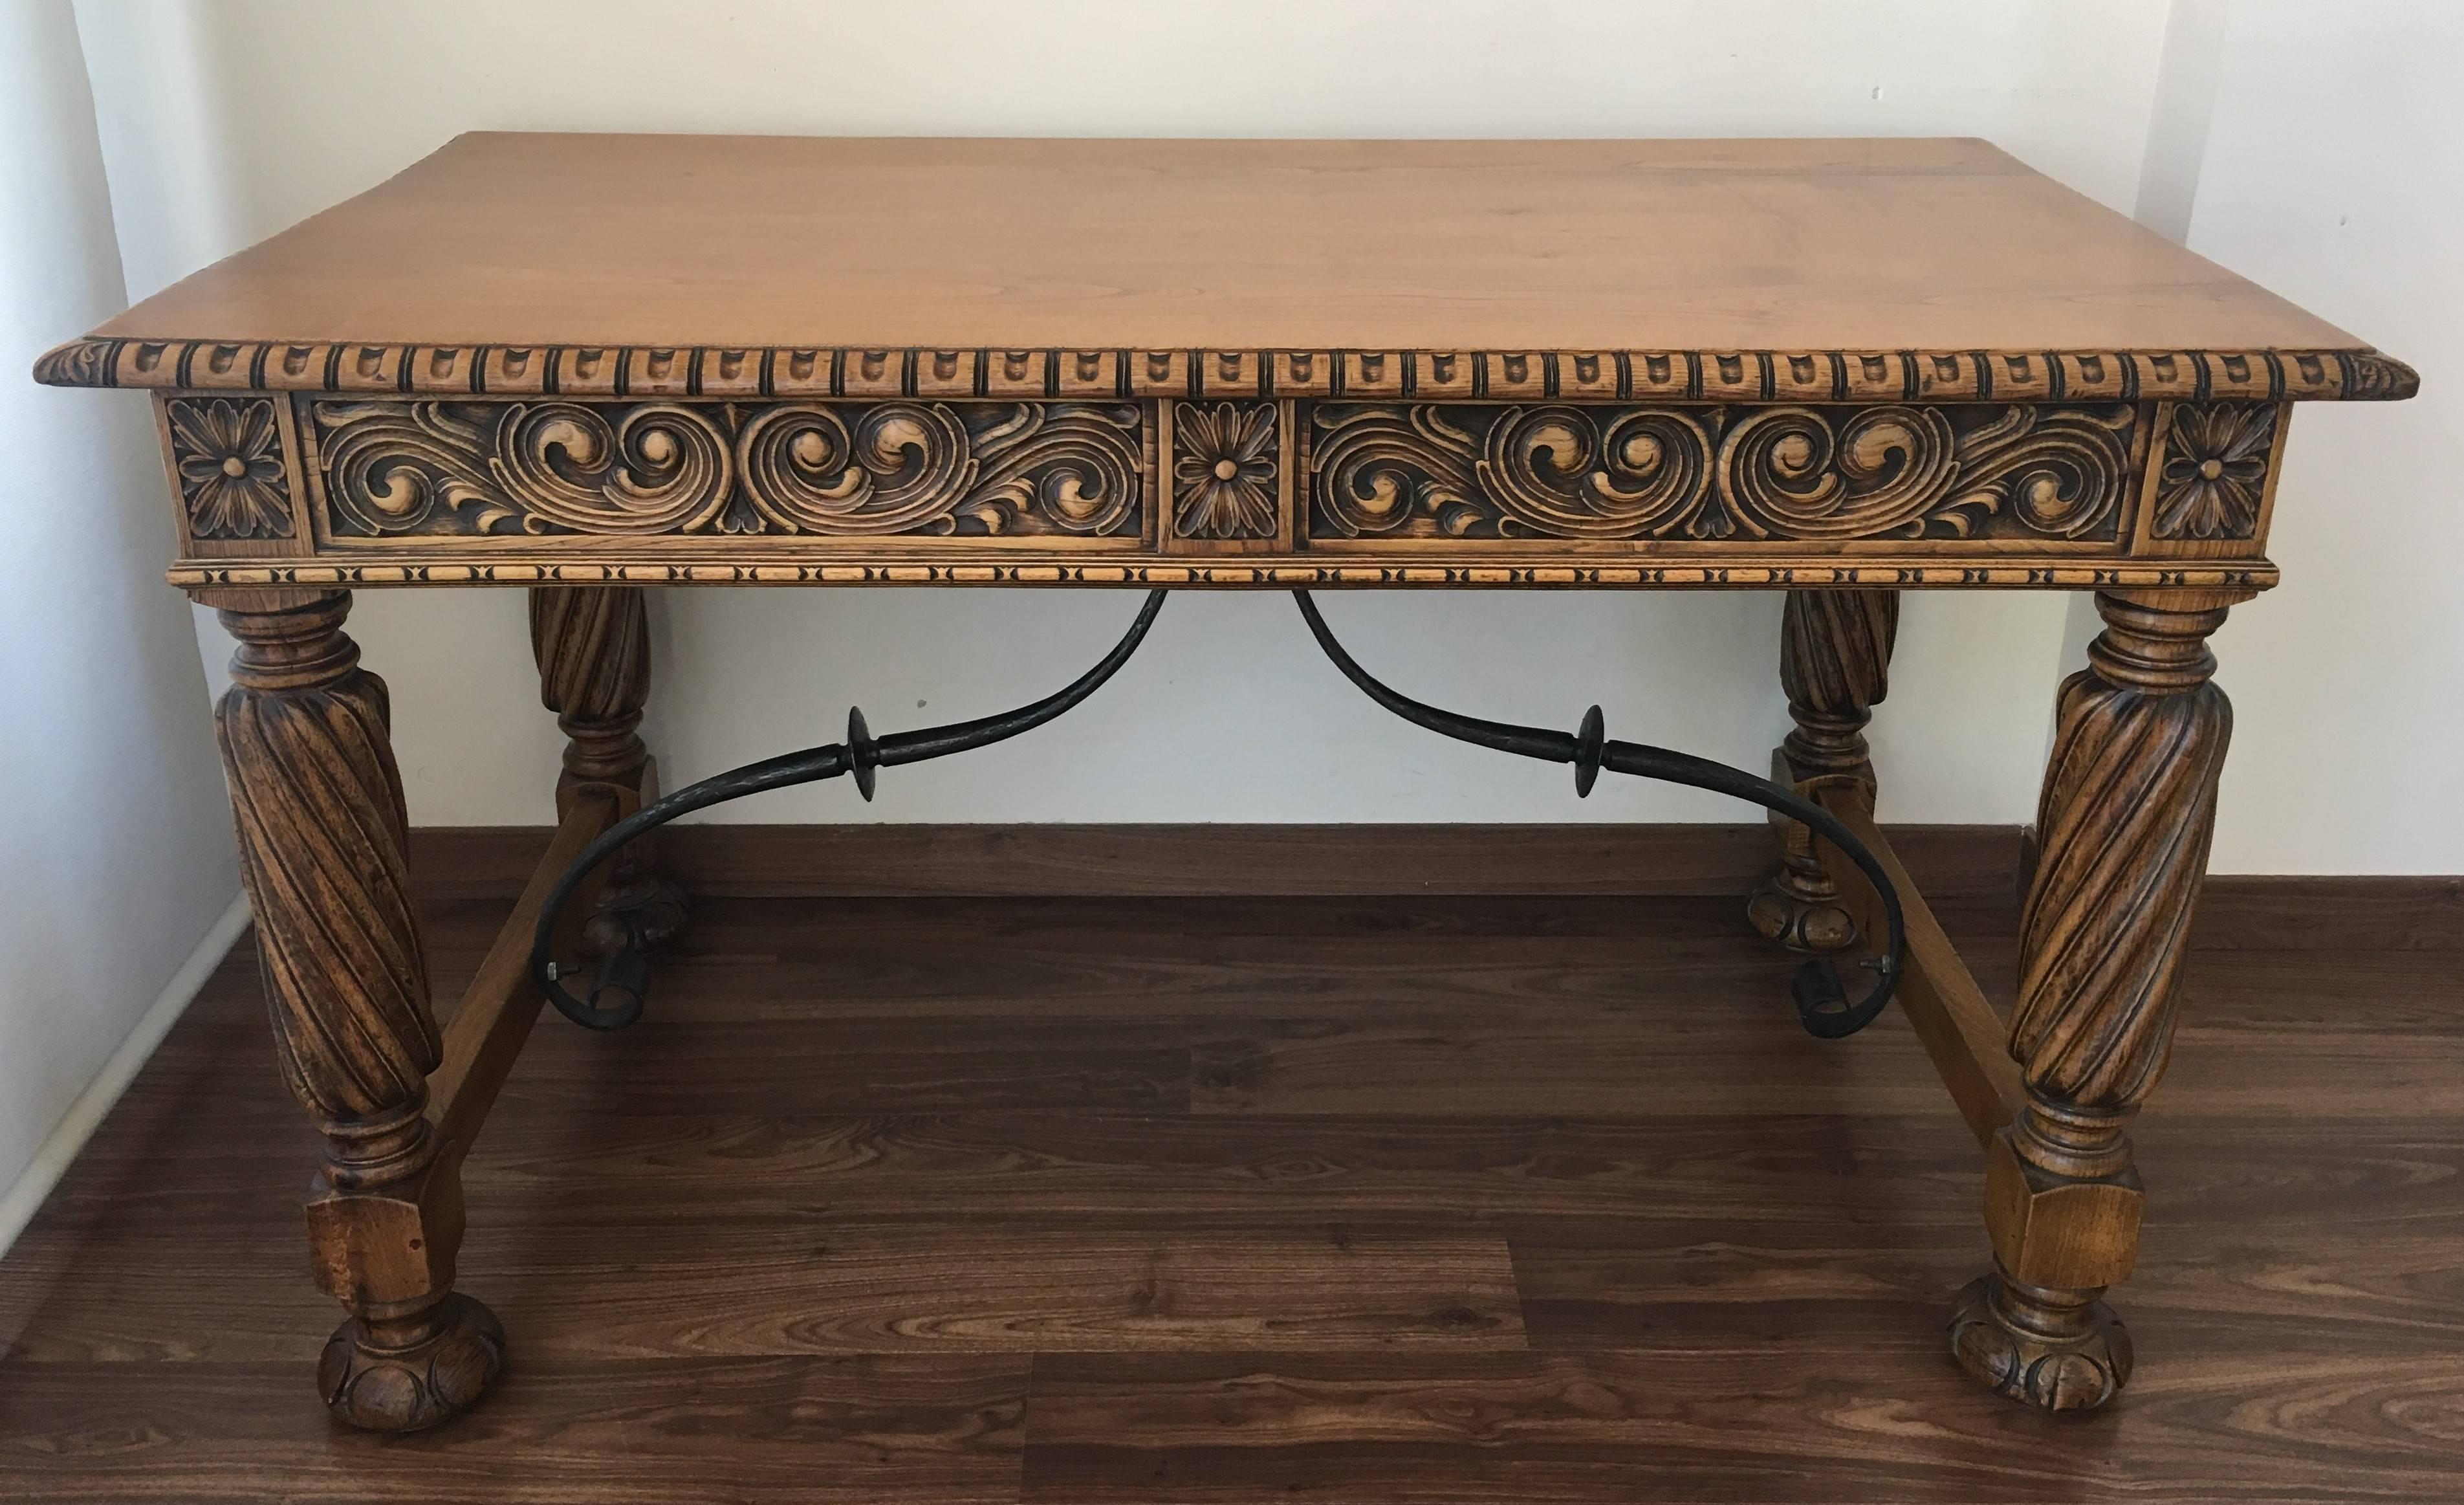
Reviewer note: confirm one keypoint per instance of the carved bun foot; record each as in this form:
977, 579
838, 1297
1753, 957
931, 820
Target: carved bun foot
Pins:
1801, 913
647, 912
419, 1385
2054, 1350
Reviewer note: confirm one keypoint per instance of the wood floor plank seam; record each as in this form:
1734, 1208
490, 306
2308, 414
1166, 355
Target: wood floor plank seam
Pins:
1059, 1297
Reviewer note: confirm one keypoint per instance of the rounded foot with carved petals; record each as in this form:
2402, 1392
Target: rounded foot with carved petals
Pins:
2053, 1350
1798, 915
418, 1386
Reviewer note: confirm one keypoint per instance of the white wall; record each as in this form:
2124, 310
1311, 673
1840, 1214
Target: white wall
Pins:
2335, 174
225, 122
115, 841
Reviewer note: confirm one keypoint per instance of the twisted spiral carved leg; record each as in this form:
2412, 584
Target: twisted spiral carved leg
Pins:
2128, 806
305, 741
592, 644
1835, 663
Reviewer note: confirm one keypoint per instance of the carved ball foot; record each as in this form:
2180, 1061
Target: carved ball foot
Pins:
419, 1385
1800, 915
2054, 1350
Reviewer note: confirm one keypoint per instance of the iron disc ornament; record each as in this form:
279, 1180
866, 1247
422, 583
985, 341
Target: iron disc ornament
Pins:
625, 973
1822, 1002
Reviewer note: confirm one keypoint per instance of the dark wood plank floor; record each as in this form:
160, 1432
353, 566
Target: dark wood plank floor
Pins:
1443, 1199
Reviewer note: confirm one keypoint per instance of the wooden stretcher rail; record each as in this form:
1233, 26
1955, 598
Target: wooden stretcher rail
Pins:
502, 1002
1960, 1029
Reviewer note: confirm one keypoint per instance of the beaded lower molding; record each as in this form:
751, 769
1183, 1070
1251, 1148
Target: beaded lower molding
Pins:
1267, 573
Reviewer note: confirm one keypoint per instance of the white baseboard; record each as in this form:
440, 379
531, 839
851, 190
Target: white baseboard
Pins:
60, 1146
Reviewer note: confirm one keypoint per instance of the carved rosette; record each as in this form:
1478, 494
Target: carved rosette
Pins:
227, 453
2213, 482
421, 469
1225, 466
1779, 471
323, 840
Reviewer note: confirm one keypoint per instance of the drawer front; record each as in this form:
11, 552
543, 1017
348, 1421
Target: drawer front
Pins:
1213, 488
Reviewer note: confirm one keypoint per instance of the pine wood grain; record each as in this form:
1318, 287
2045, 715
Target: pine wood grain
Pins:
1725, 245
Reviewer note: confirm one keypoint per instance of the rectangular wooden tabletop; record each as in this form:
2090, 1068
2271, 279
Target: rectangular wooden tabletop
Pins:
1707, 245
1605, 363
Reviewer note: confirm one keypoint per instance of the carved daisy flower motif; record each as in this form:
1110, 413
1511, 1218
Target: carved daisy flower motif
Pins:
229, 457
2216, 472
1224, 471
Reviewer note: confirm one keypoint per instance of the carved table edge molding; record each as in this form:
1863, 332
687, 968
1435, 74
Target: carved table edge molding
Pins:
1806, 376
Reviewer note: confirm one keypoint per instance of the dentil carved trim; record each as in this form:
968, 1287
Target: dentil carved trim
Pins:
232, 477
1225, 468
1563, 470
395, 469
1821, 376
2213, 479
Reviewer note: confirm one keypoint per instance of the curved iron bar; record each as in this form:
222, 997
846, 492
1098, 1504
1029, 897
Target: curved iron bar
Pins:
1822, 1002
860, 755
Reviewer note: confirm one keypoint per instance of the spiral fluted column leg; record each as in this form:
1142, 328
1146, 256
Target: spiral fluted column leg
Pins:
592, 644
2128, 808
1835, 662
306, 744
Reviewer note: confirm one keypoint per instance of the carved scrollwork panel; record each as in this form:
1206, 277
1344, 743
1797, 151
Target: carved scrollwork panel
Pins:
1785, 471
391, 469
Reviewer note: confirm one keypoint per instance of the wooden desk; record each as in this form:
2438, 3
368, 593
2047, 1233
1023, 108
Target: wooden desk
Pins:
588, 364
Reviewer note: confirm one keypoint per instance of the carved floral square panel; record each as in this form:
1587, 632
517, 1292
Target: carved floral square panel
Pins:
2213, 482
1225, 456
228, 454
